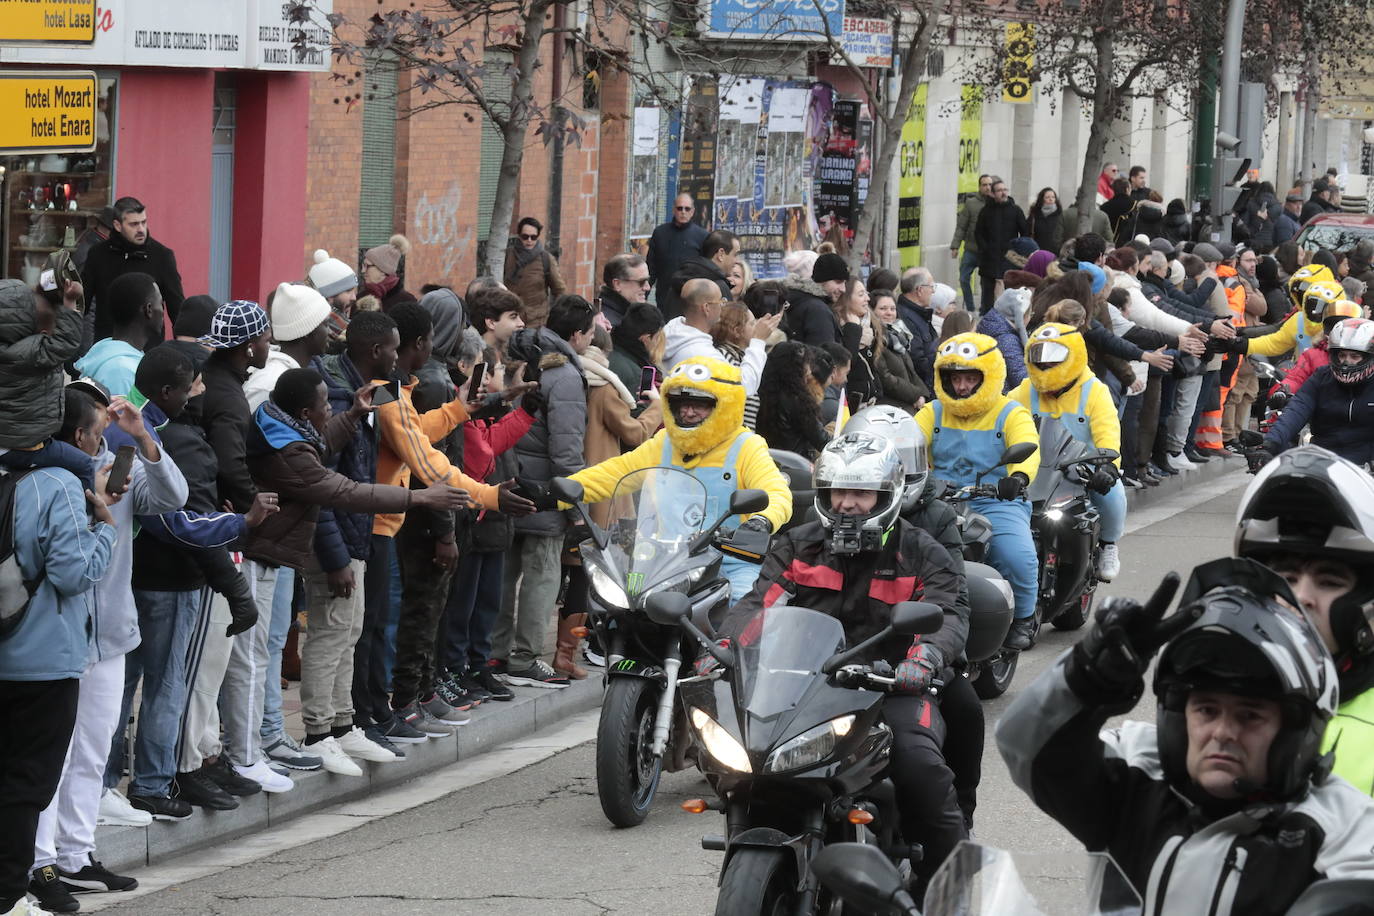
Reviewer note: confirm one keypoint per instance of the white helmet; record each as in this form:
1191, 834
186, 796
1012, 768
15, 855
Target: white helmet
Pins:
859, 461
1353, 335
901, 429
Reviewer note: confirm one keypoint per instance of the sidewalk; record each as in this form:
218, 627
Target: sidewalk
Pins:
532, 710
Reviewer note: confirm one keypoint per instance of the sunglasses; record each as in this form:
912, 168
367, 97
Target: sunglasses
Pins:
527, 237
645, 282
684, 209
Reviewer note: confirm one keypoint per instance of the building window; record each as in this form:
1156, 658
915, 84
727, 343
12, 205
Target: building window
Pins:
376, 203
496, 87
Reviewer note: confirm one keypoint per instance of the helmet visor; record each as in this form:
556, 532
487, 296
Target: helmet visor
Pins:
1049, 352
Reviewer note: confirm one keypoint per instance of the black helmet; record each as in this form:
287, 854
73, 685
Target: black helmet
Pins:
1245, 642
1310, 502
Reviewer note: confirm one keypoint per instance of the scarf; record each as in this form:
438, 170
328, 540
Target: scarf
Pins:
305, 428
899, 337
596, 370
524, 256
387, 284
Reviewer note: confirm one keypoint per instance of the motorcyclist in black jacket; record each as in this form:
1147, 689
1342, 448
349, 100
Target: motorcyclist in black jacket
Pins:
1224, 806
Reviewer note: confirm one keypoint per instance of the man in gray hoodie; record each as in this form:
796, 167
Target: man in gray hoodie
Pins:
65, 846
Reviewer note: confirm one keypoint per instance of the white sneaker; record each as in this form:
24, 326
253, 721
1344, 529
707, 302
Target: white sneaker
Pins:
356, 744
1180, 461
1108, 563
265, 776
25, 908
115, 811
335, 760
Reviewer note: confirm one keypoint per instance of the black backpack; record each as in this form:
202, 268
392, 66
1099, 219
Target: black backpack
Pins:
15, 591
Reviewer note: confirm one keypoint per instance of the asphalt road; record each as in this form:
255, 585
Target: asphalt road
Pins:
533, 841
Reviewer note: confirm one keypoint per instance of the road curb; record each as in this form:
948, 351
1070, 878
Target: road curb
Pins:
1213, 469
492, 724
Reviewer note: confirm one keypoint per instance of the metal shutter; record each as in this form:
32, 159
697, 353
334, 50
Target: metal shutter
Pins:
496, 86
377, 201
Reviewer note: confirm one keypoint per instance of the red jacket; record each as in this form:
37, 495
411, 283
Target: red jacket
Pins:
483, 441
1312, 359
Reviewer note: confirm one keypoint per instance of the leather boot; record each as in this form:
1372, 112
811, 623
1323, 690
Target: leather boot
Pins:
565, 656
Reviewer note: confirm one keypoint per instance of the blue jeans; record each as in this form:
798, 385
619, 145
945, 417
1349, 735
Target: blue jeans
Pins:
968, 266
1112, 507
741, 574
474, 601
165, 621
1011, 551
273, 724
393, 615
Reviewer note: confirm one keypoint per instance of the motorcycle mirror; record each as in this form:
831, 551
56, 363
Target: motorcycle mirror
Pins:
911, 618
667, 608
568, 491
746, 501
862, 875
1015, 454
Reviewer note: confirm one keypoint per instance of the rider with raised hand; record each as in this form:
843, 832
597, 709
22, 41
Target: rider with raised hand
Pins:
1061, 385
1337, 401
854, 563
968, 426
704, 434
1309, 516
1224, 806
1315, 356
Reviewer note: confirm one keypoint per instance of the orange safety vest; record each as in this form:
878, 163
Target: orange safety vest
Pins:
1209, 424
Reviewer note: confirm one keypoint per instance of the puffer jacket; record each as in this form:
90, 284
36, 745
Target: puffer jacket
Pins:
285, 462
809, 318
1341, 416
919, 320
31, 376
860, 590
554, 445
340, 535
1009, 342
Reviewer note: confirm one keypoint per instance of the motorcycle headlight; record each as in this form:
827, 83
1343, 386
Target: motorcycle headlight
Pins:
719, 743
1054, 515
607, 589
810, 747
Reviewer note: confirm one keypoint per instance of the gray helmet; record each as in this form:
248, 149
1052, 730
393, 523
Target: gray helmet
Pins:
859, 461
901, 429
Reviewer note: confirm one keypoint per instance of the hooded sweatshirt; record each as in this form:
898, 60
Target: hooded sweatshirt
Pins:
685, 341
260, 382
112, 363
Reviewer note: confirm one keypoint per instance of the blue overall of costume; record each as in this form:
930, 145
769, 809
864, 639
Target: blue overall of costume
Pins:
1112, 504
957, 455
1304, 340
720, 483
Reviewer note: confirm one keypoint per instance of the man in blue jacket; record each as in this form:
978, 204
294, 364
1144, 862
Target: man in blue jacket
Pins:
42, 661
1337, 400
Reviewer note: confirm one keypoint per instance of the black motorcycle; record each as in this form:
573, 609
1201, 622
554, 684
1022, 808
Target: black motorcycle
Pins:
1065, 525
792, 741
660, 541
991, 602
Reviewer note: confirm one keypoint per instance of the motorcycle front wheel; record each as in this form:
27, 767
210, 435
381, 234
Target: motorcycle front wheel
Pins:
994, 676
627, 771
758, 882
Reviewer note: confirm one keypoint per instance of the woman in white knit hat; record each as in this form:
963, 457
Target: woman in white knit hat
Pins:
338, 283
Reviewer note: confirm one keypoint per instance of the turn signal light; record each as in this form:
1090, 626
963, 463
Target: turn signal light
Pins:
859, 816
695, 805
580, 632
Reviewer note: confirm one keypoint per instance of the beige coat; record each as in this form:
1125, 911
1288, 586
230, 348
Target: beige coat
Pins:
611, 429
537, 284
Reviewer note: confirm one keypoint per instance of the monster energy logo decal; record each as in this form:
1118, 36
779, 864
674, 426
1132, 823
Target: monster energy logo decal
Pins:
635, 582
625, 664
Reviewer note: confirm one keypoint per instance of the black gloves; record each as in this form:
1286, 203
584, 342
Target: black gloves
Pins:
244, 611
1258, 457
918, 669
1279, 399
1102, 479
757, 523
1012, 486
1107, 667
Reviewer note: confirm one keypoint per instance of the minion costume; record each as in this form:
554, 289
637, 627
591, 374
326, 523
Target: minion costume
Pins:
967, 435
1311, 289
1061, 385
719, 451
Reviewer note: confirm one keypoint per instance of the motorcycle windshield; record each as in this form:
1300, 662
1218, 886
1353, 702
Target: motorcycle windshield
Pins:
981, 881
657, 513
1057, 445
780, 655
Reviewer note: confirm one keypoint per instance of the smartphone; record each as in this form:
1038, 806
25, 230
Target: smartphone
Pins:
479, 375
768, 301
119, 471
648, 378
387, 393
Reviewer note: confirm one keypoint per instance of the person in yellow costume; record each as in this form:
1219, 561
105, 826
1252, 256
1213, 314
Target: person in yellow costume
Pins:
968, 426
1061, 385
1312, 289
704, 434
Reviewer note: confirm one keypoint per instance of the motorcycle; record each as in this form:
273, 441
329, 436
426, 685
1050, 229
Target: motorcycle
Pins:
660, 542
991, 666
793, 744
979, 881
1065, 525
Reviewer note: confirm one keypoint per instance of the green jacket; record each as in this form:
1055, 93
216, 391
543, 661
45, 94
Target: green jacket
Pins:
1351, 733
967, 219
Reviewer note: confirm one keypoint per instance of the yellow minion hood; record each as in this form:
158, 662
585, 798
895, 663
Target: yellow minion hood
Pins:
1055, 357
710, 380
970, 352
